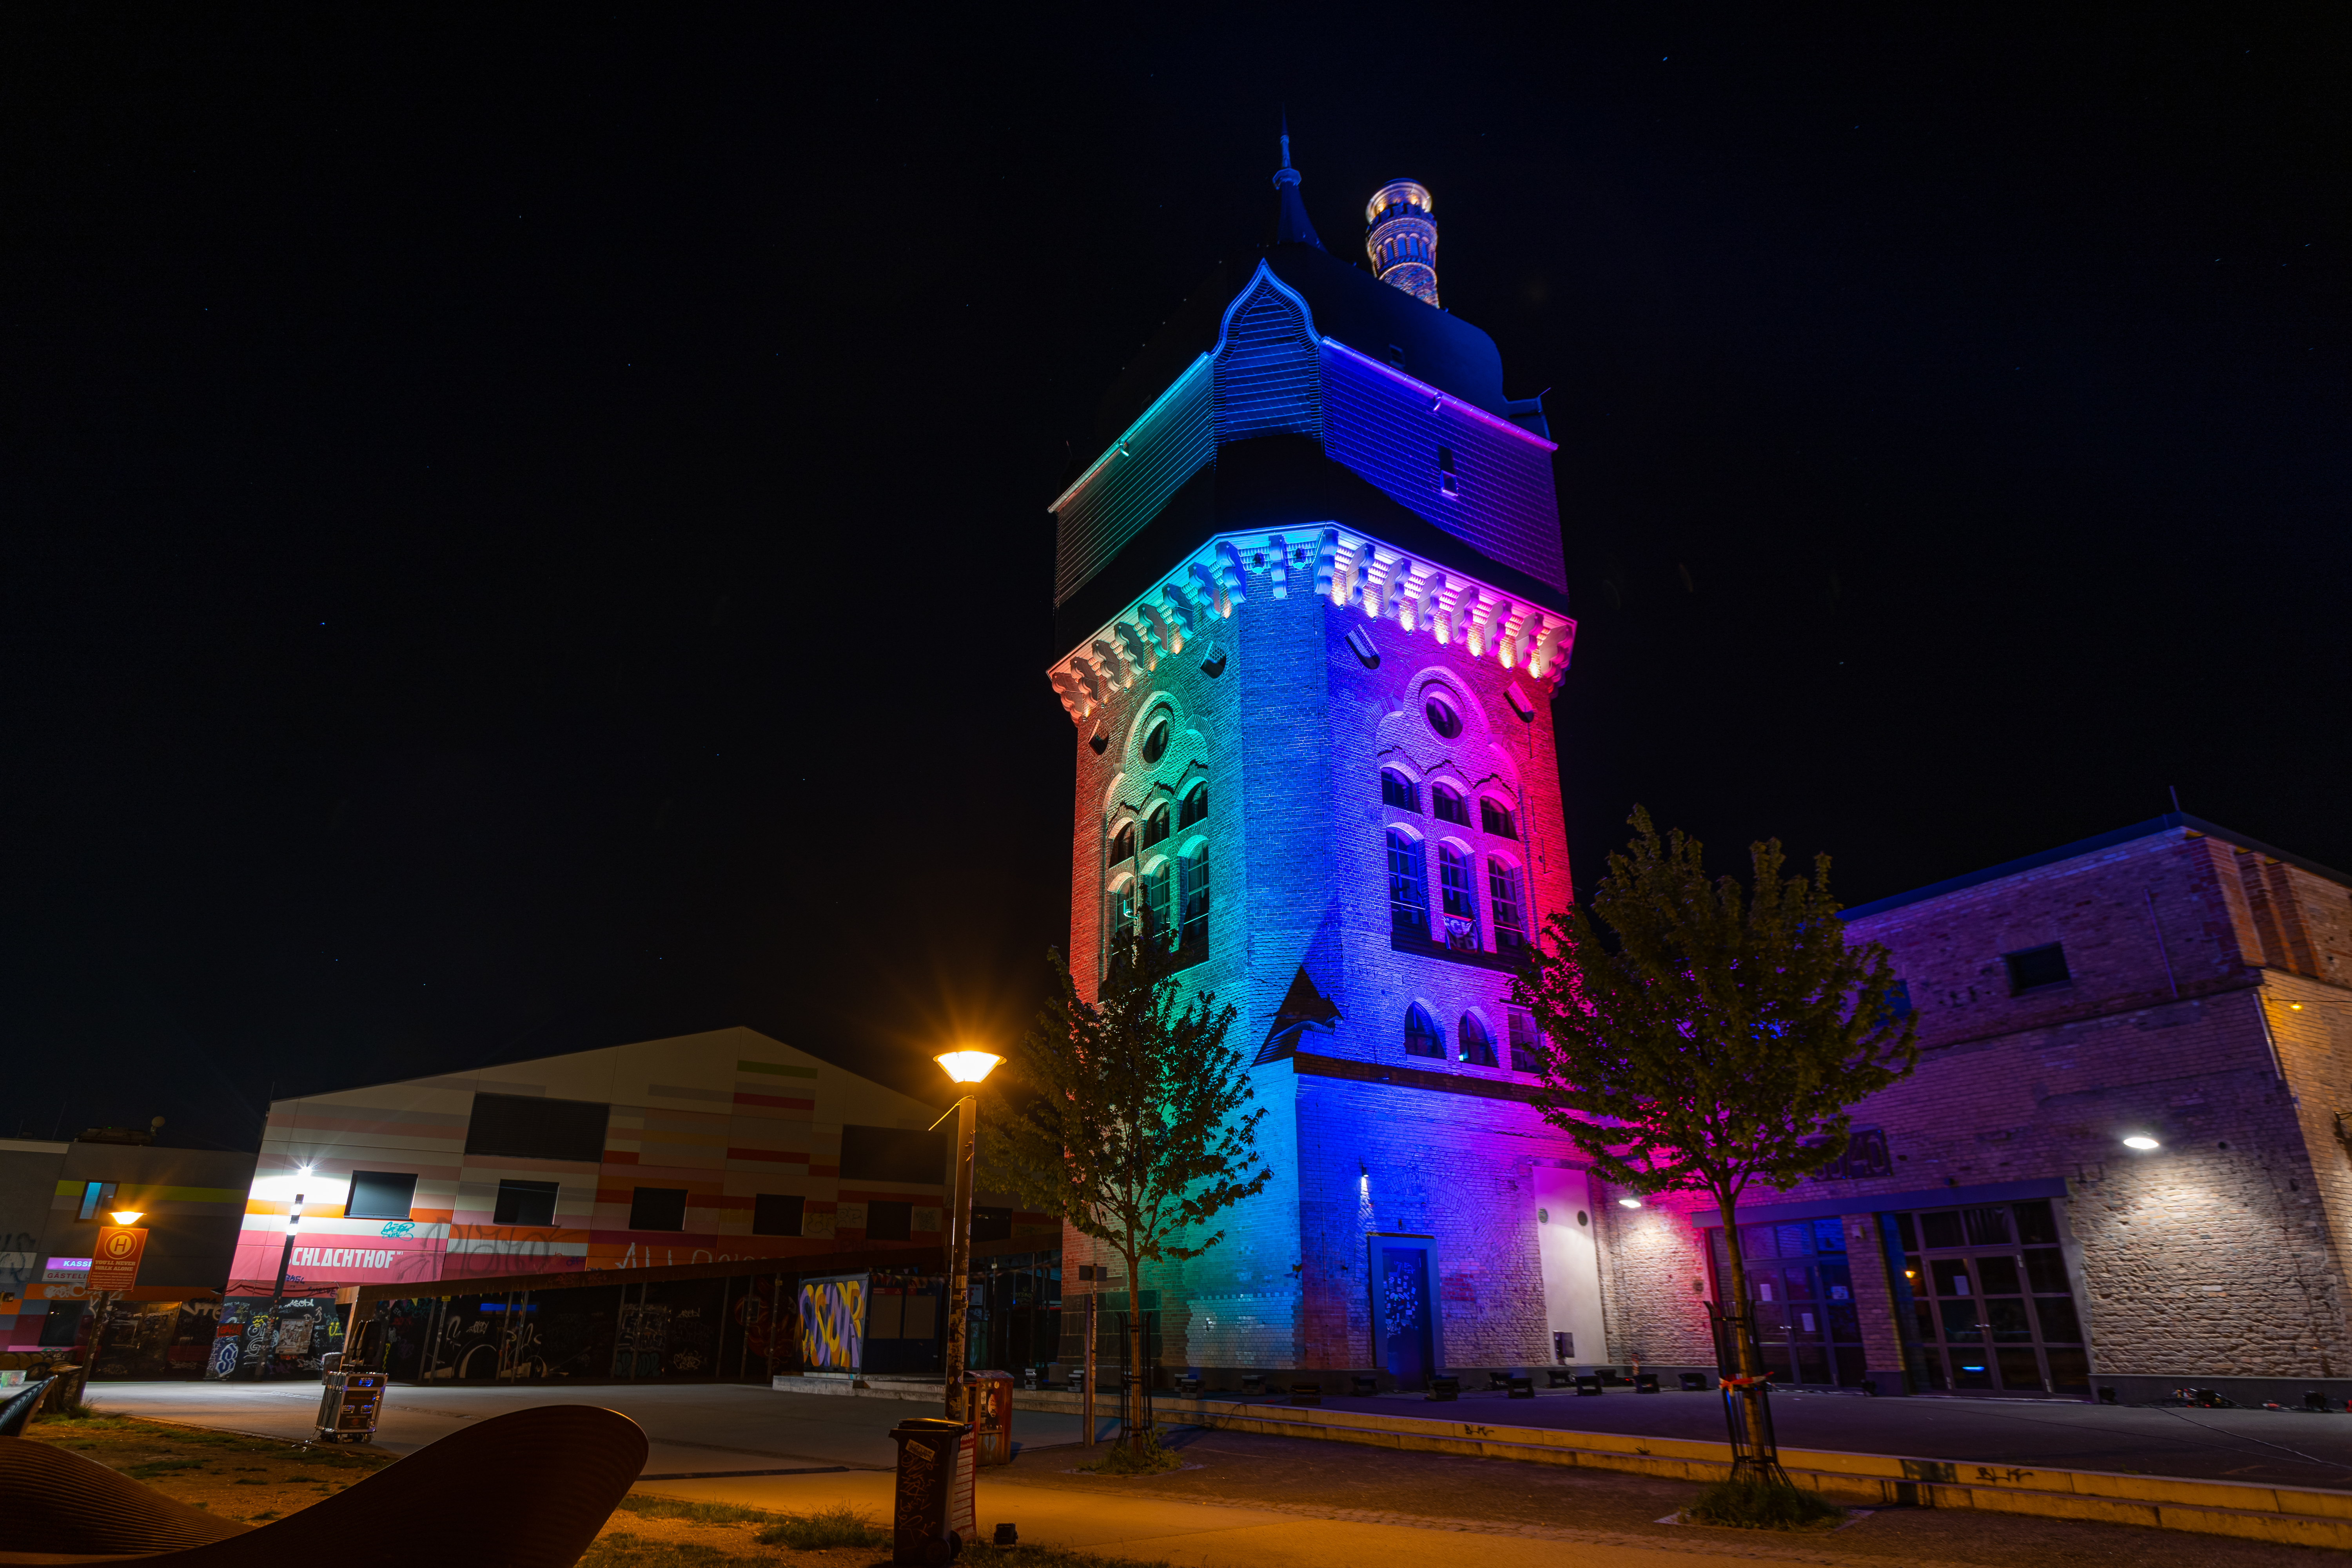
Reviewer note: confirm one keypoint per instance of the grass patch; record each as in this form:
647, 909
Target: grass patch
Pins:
840, 1525
1762, 1505
153, 1467
620, 1550
694, 1512
1150, 1458
981, 1552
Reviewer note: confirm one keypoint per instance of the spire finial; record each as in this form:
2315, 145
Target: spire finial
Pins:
1290, 225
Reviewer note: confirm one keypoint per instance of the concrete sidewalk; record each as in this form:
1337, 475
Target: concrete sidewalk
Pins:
695, 1428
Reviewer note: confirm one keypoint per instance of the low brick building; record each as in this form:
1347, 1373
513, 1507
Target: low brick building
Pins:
2121, 1163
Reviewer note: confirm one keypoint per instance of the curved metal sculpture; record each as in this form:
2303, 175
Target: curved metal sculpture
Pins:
560, 1469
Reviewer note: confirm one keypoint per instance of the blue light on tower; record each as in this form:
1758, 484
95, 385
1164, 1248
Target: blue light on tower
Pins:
1400, 238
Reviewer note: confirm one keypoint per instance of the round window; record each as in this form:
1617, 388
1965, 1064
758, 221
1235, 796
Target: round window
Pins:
1155, 741
1543, 1217
1439, 709
1584, 1218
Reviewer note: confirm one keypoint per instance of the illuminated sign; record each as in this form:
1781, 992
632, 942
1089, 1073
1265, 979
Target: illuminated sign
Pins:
66, 1272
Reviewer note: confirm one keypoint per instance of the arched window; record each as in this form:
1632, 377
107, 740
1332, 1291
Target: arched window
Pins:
1155, 826
1155, 903
1122, 906
1195, 807
1122, 844
1495, 817
1421, 1036
1503, 898
1408, 884
1477, 1045
1155, 737
1192, 903
1399, 791
1461, 903
1447, 805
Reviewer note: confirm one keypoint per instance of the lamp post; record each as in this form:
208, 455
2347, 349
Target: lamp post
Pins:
277, 1293
972, 1068
104, 1304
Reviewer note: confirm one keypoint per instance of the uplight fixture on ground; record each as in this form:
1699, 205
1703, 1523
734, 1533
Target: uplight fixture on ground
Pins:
972, 1067
2141, 1141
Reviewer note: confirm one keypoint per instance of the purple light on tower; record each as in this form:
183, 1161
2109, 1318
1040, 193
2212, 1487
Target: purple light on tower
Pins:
1400, 238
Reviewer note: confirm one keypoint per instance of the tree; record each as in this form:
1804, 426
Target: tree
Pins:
1128, 1118
1714, 1039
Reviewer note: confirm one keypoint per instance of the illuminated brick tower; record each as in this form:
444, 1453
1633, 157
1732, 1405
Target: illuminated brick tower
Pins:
1311, 598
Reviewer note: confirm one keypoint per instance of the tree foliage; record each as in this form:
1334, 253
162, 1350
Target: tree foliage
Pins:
1128, 1116
1717, 1036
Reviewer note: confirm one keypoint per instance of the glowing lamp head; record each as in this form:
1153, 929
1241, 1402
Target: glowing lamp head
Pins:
125, 1217
303, 1169
1629, 1202
2141, 1141
968, 1067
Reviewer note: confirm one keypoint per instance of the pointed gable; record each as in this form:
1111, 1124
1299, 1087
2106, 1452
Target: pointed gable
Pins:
1268, 382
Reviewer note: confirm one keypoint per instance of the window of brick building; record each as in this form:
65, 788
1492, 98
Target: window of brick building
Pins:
1408, 884
2032, 968
1155, 902
1194, 807
1503, 898
1155, 826
1399, 791
1460, 902
1421, 1036
1495, 817
1448, 805
1193, 899
1478, 1044
1155, 739
1525, 1055
1122, 843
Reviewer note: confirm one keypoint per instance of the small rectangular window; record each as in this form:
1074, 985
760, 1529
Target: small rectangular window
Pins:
777, 1214
526, 1203
1445, 479
1495, 818
1897, 1005
889, 1219
1937, 1230
893, 1154
533, 1127
2034, 967
1192, 904
94, 1197
1525, 1055
992, 1223
380, 1194
658, 1208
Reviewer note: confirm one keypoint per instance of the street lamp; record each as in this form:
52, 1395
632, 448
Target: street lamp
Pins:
127, 1216
964, 1066
278, 1293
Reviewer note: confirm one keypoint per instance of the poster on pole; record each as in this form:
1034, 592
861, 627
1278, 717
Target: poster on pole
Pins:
114, 1261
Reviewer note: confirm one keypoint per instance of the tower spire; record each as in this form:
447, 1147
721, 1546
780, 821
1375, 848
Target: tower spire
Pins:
1290, 224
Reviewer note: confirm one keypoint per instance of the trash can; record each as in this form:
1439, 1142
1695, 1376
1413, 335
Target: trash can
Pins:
351, 1406
932, 1511
990, 1410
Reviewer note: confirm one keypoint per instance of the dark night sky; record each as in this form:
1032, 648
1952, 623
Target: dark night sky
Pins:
522, 540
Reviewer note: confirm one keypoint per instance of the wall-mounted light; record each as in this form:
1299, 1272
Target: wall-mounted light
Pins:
1629, 1202
2141, 1141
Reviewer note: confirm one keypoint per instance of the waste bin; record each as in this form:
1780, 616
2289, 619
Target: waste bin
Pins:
990, 1393
932, 1511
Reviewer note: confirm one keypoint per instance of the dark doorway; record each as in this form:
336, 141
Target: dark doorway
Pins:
1404, 1314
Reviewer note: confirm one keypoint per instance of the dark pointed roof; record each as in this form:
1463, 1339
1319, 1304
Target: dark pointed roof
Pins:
1291, 225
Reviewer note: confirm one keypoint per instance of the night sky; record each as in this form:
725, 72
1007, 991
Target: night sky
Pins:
527, 535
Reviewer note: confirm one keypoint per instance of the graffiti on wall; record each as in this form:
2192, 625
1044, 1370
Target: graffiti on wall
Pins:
833, 1322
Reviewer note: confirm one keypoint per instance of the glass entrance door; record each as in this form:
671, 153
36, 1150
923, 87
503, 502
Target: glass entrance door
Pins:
1800, 1293
1990, 1300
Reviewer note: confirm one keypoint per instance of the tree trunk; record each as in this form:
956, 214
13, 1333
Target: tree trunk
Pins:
1138, 1431
1749, 1368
